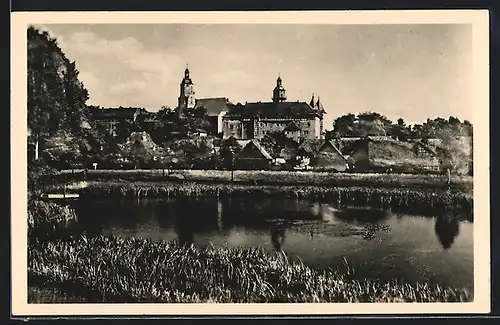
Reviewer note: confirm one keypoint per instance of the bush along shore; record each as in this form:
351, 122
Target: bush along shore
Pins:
112, 269
413, 199
49, 220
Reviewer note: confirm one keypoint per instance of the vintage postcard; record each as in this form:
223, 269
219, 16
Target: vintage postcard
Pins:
197, 163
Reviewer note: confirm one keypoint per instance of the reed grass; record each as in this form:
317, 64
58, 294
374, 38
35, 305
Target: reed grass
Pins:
261, 177
48, 220
417, 199
112, 269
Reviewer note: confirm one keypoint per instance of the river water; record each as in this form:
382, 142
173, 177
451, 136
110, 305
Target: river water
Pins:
385, 245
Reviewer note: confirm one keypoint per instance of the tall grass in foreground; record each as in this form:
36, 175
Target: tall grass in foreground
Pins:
48, 219
414, 199
110, 269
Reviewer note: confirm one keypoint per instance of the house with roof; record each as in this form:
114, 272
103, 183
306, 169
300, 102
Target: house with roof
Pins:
320, 154
215, 109
382, 154
110, 118
293, 131
253, 156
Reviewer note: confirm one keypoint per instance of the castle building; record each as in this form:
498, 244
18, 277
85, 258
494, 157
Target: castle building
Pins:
298, 120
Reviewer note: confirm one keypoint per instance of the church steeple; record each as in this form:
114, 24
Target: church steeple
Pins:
279, 93
186, 97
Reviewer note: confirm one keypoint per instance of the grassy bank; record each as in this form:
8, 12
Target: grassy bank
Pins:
414, 199
108, 269
278, 178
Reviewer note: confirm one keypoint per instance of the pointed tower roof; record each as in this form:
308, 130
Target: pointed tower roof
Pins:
312, 101
319, 106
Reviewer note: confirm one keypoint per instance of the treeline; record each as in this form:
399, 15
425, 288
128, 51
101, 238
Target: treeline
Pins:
375, 124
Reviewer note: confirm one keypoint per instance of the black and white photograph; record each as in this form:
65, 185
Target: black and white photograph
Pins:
302, 159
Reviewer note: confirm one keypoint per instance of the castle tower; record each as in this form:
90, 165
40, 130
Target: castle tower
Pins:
186, 98
321, 112
279, 94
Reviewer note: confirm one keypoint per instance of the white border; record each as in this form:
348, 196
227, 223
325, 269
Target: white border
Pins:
477, 18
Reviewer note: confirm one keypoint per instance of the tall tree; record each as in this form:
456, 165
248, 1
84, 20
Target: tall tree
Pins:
56, 98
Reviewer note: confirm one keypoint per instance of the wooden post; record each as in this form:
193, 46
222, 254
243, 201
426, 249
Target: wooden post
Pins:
65, 179
36, 149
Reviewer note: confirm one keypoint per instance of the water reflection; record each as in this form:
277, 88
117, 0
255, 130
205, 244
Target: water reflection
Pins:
447, 227
277, 237
184, 229
317, 232
362, 216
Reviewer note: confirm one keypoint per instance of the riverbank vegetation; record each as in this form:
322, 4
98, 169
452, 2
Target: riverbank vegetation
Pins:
261, 177
415, 199
47, 220
110, 269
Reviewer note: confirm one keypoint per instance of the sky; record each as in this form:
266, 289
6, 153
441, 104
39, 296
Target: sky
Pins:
410, 71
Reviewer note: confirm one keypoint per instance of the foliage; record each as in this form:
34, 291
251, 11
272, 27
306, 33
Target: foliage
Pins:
140, 149
56, 98
368, 123
197, 153
229, 149
171, 125
48, 220
112, 269
58, 118
38, 175
64, 150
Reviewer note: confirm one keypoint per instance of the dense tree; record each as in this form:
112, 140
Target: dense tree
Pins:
368, 123
196, 152
344, 125
170, 125
56, 100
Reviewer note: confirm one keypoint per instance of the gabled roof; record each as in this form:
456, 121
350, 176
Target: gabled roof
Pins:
271, 109
256, 144
311, 146
315, 146
214, 106
331, 144
242, 143
292, 126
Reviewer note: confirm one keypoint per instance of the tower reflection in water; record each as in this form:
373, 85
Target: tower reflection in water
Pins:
277, 237
447, 227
